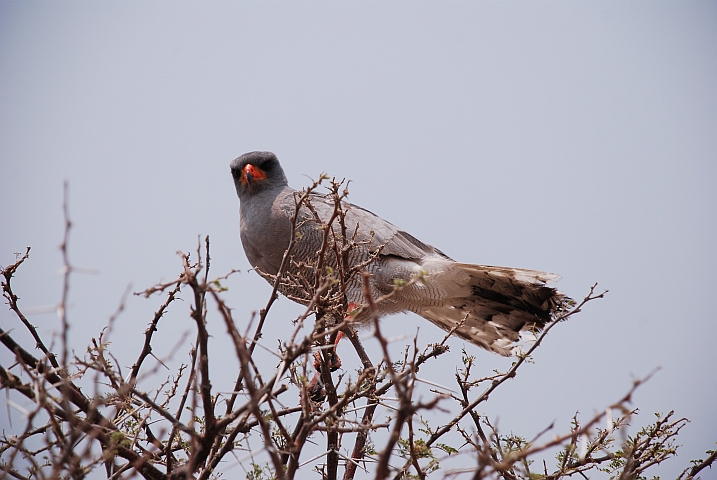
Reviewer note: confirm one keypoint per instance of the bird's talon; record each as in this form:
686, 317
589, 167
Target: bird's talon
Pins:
334, 361
316, 391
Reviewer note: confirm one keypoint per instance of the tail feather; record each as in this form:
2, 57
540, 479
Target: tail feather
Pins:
495, 304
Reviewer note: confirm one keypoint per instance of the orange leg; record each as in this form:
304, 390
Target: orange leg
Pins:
315, 388
334, 360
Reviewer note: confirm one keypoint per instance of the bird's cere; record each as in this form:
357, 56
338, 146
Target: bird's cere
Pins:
251, 173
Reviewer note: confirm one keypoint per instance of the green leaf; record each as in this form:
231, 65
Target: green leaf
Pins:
446, 448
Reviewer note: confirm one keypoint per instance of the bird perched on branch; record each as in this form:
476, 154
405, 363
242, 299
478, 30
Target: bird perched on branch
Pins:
492, 304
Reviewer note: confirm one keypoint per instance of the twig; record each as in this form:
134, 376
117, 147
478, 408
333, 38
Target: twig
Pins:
147, 347
698, 467
8, 273
509, 374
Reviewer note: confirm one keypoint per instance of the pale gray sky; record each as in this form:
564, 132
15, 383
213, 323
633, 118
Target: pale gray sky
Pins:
574, 137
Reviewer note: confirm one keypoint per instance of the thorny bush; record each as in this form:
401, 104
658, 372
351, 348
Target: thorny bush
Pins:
369, 423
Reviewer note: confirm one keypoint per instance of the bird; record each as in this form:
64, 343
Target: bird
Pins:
491, 307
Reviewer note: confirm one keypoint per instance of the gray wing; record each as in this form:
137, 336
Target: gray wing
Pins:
377, 232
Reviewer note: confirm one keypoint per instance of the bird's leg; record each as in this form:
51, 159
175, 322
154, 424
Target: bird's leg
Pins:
316, 391
334, 362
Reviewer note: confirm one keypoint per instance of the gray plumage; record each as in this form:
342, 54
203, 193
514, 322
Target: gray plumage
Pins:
499, 302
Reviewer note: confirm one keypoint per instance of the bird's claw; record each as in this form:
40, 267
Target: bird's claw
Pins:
334, 361
315, 389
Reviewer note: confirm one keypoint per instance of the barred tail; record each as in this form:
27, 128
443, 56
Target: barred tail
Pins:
495, 304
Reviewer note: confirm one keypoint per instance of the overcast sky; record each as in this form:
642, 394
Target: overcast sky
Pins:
573, 137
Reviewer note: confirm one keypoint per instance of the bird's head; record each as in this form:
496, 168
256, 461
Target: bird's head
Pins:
254, 172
